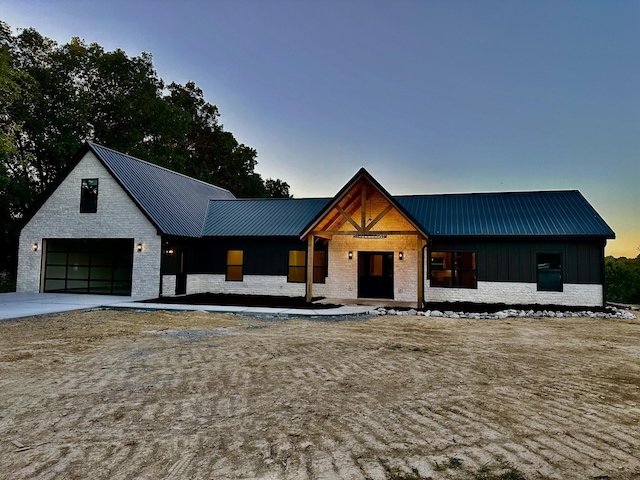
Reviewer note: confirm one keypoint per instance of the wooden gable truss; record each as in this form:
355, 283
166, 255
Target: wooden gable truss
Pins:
351, 212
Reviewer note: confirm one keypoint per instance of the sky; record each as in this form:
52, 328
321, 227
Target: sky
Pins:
429, 96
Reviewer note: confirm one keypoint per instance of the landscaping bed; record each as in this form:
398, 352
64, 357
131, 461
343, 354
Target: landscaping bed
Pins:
242, 301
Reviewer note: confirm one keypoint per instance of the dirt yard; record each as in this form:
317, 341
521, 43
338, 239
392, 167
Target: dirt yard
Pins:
123, 395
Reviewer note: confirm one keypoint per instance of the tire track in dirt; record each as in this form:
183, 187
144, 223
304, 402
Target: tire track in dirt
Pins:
308, 399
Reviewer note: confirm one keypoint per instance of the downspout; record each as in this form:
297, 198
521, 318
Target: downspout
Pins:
425, 273
603, 275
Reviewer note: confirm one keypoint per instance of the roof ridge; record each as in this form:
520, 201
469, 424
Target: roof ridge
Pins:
516, 192
265, 199
93, 144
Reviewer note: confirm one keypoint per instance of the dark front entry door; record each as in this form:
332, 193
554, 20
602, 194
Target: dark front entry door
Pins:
375, 275
181, 277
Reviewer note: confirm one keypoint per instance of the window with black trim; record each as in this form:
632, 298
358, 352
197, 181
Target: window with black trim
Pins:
319, 266
549, 272
297, 264
453, 269
234, 265
89, 195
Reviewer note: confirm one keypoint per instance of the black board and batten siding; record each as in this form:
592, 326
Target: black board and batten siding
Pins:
261, 256
514, 260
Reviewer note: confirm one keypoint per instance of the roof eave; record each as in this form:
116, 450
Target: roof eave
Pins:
494, 236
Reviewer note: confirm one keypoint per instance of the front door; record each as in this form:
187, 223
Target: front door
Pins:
375, 275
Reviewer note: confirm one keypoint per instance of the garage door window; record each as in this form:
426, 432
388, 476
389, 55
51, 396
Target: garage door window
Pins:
89, 266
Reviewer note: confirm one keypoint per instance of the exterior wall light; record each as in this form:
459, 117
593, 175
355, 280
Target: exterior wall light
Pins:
350, 255
401, 255
139, 247
35, 247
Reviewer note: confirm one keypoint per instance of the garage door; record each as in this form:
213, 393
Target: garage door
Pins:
89, 266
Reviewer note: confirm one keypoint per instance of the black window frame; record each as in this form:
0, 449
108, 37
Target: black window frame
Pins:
320, 266
89, 196
456, 271
547, 261
229, 278
297, 268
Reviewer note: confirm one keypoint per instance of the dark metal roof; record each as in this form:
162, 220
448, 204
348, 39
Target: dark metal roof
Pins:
175, 203
555, 213
266, 217
183, 206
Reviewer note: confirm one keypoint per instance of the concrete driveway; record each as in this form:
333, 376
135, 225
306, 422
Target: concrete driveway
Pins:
16, 305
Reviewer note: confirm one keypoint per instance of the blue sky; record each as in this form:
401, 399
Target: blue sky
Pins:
429, 96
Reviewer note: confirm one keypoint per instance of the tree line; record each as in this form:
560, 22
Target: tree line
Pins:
55, 97
622, 276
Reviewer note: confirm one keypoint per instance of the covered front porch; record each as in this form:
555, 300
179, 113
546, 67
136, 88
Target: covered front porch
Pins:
374, 249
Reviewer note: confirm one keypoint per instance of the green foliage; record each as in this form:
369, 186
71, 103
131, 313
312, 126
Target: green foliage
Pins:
277, 188
7, 283
55, 97
622, 276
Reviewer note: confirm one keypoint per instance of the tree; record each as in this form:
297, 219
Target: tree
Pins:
622, 278
16, 185
84, 93
277, 188
214, 155
53, 98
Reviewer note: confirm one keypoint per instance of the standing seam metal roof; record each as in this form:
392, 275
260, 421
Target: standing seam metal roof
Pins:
553, 213
265, 217
183, 206
177, 204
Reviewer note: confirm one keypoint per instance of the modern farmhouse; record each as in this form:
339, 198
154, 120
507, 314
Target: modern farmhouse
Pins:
115, 224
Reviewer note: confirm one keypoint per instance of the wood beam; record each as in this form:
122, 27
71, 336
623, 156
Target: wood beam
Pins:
377, 232
309, 289
378, 218
348, 217
351, 206
420, 250
363, 204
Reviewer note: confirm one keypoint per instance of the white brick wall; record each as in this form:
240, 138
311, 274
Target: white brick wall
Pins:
518, 293
168, 285
117, 217
342, 280
250, 285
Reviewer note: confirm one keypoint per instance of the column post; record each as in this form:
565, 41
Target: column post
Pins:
309, 289
420, 245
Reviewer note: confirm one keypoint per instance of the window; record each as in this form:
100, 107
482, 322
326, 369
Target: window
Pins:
319, 266
549, 272
234, 265
297, 263
453, 269
89, 195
